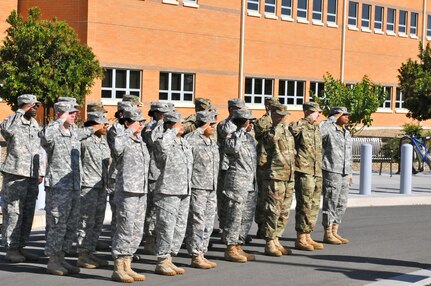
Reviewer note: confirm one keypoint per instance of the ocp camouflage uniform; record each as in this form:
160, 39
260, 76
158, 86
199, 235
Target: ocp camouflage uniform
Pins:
280, 147
239, 188
95, 156
203, 202
21, 169
131, 189
190, 123
62, 184
308, 173
172, 197
337, 170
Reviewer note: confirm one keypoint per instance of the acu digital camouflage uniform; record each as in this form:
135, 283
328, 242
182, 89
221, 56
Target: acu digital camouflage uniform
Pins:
21, 169
337, 170
203, 202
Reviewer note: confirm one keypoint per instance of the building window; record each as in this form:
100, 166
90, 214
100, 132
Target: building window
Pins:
291, 92
195, 2
366, 16
317, 88
286, 8
353, 13
253, 5
429, 26
317, 10
413, 24
387, 102
176, 86
118, 82
257, 89
331, 17
403, 22
302, 9
378, 18
399, 102
270, 6
390, 25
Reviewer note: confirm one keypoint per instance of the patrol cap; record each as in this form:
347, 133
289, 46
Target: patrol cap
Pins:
95, 106
243, 113
338, 109
158, 106
173, 116
134, 114
68, 99
27, 99
133, 99
279, 109
272, 100
205, 116
236, 102
123, 105
97, 116
203, 103
313, 106
65, 106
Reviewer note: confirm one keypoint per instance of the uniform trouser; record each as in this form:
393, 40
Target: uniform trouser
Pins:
259, 216
130, 214
19, 199
308, 189
172, 212
92, 208
203, 204
335, 192
240, 217
150, 217
62, 217
111, 195
277, 206
221, 200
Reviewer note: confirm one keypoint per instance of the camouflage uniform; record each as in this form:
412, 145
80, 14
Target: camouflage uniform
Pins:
190, 121
308, 173
337, 170
203, 201
21, 170
172, 197
95, 156
280, 147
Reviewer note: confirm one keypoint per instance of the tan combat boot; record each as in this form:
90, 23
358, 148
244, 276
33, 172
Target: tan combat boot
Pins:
101, 262
14, 256
178, 270
199, 262
213, 264
119, 274
54, 266
283, 250
316, 245
339, 237
28, 255
150, 246
85, 261
70, 268
271, 249
249, 256
329, 237
129, 271
231, 254
301, 242
163, 267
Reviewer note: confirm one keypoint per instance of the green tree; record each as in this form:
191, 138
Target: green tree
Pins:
361, 99
415, 83
45, 58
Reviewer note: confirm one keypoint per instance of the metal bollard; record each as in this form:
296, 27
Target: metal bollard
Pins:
406, 169
366, 169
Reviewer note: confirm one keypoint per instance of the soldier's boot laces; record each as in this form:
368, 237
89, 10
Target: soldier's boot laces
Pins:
28, 255
249, 256
316, 245
70, 268
163, 267
178, 270
85, 261
54, 266
335, 232
128, 269
101, 262
231, 254
199, 262
329, 237
14, 256
271, 249
150, 246
213, 264
301, 242
119, 274
284, 251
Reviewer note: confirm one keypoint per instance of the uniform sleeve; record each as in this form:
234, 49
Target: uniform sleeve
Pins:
49, 133
234, 143
8, 127
326, 126
84, 133
121, 142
